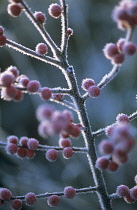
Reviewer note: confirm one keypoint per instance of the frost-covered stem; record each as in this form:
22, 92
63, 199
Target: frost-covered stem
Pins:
26, 51
47, 194
88, 138
64, 21
46, 37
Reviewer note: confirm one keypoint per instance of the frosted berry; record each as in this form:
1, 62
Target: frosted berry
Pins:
122, 190
69, 32
102, 163
128, 199
109, 130
3, 40
33, 86
110, 50
1, 30
23, 141
13, 70
69, 192
12, 139
14, 10
86, 83
120, 44
41, 49
16, 204
122, 118
5, 194
64, 142
30, 154
45, 93
129, 48
32, 144
44, 112
75, 131
53, 200
94, 91
67, 152
6, 79
19, 96
112, 166
21, 152
118, 59
133, 192
106, 147
30, 198
40, 17
11, 148
55, 10
51, 155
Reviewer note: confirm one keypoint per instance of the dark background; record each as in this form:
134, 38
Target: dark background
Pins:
93, 28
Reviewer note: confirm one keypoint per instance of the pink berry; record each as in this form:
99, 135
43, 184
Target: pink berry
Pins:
69, 32
122, 190
3, 40
11, 148
18, 97
44, 112
67, 152
40, 17
16, 204
1, 30
133, 192
112, 166
55, 10
33, 144
5, 194
51, 155
109, 130
11, 91
110, 50
14, 10
122, 118
30, 154
12, 139
102, 163
119, 156
33, 86
45, 93
93, 91
75, 131
41, 49
13, 70
106, 147
45, 129
6, 79
21, 152
24, 141
69, 192
128, 199
118, 59
129, 48
30, 198
86, 83
64, 142
120, 44
53, 200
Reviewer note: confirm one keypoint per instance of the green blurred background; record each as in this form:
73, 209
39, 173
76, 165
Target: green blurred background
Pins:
93, 28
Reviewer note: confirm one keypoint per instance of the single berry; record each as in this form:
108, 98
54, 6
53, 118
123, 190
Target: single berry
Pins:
75, 131
110, 50
64, 142
67, 152
1, 30
16, 204
69, 192
45, 93
6, 79
112, 166
19, 96
122, 118
51, 155
30, 198
33, 144
68, 115
11, 148
133, 192
93, 91
33, 86
86, 83
129, 48
128, 199
55, 10
69, 32
14, 9
13, 70
41, 49
106, 147
23, 141
122, 190
102, 163
11, 91
53, 200
44, 112
118, 59
30, 154
109, 130
5, 194
40, 17
21, 152
12, 139
120, 44
3, 40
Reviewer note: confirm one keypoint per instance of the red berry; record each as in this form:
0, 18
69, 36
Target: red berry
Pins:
122, 118
6, 79
51, 155
16, 204
102, 163
23, 141
40, 17
1, 30
21, 152
106, 147
5, 194
11, 148
30, 198
118, 59
18, 97
109, 130
41, 49
11, 91
3, 40
64, 142
44, 112
122, 190
53, 200
110, 50
30, 154
55, 10
12, 139
33, 144
75, 131
69, 32
14, 10
93, 91
69, 192
13, 70
67, 152
45, 93
129, 48
112, 166
86, 83
33, 86
133, 192
128, 199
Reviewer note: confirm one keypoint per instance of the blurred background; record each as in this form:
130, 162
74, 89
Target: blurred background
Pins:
93, 28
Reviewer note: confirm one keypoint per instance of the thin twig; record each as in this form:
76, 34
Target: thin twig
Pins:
65, 103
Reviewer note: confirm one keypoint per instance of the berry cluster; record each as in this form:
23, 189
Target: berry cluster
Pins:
129, 195
116, 52
116, 148
54, 122
23, 147
89, 86
125, 14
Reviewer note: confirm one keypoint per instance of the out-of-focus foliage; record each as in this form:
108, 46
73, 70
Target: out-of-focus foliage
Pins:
93, 28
